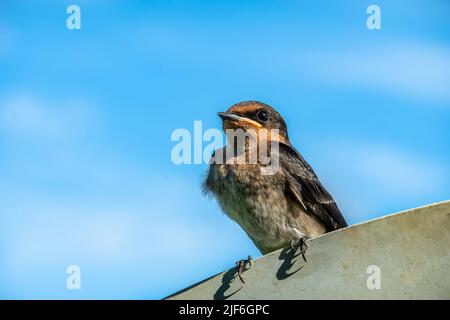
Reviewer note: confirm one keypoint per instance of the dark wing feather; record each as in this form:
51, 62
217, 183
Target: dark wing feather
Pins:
307, 189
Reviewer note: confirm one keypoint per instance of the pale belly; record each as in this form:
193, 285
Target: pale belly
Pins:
259, 206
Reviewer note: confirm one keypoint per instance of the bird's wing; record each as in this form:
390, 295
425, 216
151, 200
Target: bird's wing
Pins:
307, 189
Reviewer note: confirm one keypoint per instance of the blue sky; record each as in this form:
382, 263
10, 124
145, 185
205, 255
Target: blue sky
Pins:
86, 117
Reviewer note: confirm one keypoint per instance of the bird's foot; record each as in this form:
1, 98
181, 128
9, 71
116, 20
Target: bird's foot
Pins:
300, 243
242, 266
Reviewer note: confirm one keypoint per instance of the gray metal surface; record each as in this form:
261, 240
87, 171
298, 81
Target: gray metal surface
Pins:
410, 248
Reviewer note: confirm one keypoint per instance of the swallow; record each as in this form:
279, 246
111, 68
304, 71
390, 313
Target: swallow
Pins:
276, 210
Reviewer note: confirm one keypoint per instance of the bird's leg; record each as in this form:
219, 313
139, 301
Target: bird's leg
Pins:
300, 243
242, 266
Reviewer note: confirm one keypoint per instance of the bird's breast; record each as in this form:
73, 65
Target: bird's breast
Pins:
256, 202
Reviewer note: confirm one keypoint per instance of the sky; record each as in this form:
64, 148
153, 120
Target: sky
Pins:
86, 117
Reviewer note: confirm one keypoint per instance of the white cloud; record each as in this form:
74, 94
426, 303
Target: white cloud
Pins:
373, 178
23, 114
399, 171
6, 39
410, 69
390, 169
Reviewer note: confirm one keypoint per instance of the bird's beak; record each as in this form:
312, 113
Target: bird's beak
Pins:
235, 118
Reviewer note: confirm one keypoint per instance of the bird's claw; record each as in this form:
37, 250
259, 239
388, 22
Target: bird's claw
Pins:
300, 243
242, 266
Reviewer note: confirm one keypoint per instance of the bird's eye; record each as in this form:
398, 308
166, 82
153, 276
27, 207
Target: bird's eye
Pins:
262, 115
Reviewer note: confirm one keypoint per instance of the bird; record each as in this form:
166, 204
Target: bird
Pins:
278, 210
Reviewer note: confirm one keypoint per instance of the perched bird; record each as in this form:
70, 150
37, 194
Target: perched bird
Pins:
275, 210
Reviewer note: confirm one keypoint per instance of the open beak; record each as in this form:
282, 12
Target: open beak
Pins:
235, 118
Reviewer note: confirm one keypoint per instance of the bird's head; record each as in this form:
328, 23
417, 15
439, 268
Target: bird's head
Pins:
254, 115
